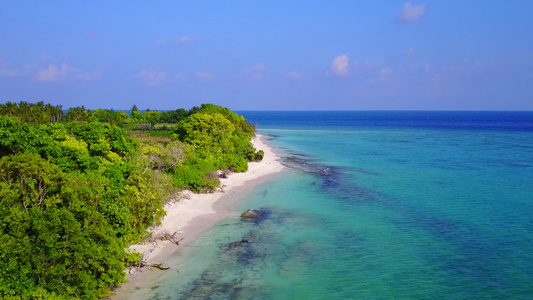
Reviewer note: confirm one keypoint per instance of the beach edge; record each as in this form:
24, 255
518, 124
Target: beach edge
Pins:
194, 214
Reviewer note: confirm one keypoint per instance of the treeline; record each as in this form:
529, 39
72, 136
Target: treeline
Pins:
41, 113
75, 194
34, 113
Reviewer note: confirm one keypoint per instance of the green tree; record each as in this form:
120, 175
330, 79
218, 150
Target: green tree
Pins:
205, 131
54, 240
152, 117
10, 107
80, 114
138, 117
100, 115
174, 116
216, 140
74, 194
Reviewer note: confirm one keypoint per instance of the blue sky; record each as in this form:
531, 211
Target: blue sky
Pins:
269, 55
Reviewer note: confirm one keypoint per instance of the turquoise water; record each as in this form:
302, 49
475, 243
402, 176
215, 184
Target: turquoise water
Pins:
376, 212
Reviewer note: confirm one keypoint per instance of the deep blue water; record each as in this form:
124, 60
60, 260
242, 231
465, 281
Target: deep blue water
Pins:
459, 120
377, 205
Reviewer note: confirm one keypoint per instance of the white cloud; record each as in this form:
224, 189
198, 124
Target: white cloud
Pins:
204, 75
255, 72
161, 42
187, 40
384, 73
151, 77
52, 73
293, 74
180, 77
410, 52
412, 12
339, 66
65, 72
24, 71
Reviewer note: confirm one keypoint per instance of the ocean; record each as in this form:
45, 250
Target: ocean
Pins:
376, 205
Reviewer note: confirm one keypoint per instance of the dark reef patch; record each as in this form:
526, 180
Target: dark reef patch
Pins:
466, 239
259, 215
271, 136
335, 180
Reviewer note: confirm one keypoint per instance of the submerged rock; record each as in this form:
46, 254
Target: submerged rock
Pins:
256, 216
251, 214
308, 166
237, 244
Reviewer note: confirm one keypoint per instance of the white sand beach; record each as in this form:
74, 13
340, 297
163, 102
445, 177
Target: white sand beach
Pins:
195, 213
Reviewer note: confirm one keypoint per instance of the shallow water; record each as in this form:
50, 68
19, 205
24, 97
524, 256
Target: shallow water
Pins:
379, 211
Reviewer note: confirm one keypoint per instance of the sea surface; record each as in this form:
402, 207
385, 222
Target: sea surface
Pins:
377, 205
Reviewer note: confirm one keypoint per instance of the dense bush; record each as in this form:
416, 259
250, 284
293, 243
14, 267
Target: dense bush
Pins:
196, 174
53, 236
174, 116
73, 197
259, 155
220, 137
74, 194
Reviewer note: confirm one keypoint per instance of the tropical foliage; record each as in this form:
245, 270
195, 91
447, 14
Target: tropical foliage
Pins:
221, 140
76, 189
34, 113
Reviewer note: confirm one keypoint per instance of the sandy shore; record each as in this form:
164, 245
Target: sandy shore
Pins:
195, 213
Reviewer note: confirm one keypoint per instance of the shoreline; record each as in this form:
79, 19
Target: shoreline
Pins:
194, 214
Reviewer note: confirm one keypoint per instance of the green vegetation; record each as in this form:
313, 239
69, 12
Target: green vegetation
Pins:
76, 189
221, 140
259, 155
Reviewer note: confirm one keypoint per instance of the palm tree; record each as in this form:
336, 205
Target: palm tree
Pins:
23, 110
59, 112
49, 112
10, 107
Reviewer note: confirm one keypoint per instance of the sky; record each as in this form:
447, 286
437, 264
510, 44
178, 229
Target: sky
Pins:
269, 55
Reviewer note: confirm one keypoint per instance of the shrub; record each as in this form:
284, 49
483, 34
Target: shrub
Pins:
53, 237
259, 155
